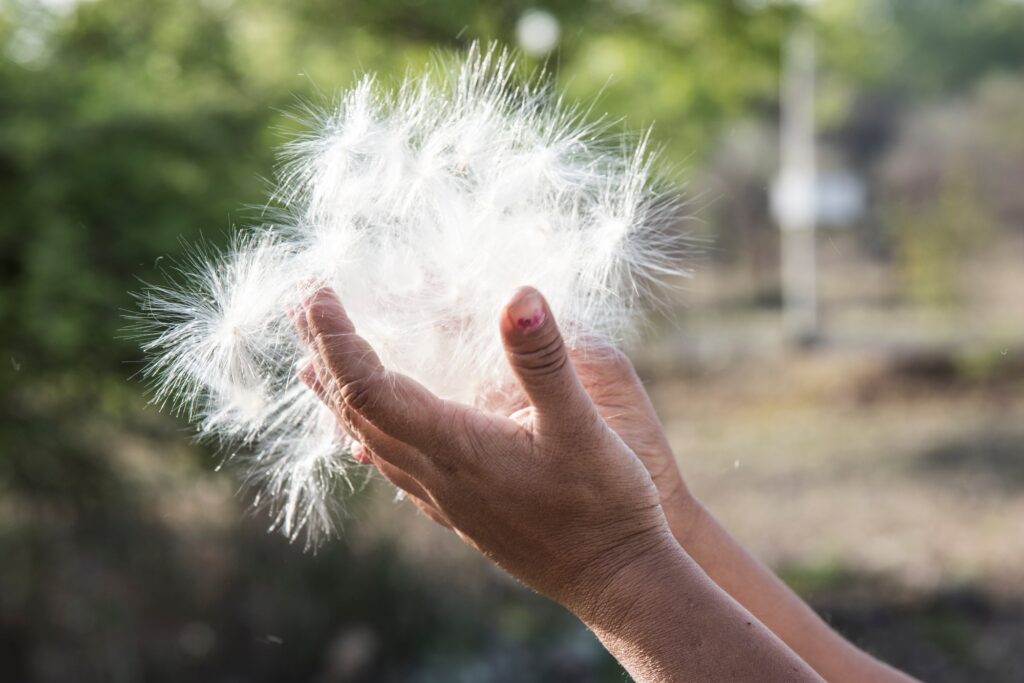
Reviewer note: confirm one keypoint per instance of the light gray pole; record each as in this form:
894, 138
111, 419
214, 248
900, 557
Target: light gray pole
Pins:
795, 191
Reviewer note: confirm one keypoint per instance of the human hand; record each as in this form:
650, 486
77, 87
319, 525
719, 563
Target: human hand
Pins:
552, 495
612, 383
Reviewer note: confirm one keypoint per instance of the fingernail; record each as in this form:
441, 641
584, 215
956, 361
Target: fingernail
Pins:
360, 454
304, 291
527, 314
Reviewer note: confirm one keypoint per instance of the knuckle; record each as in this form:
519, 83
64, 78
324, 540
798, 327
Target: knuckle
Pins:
345, 416
437, 449
321, 309
549, 358
356, 393
316, 311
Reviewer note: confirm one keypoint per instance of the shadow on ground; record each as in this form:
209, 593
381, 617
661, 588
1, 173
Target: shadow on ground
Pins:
951, 635
990, 461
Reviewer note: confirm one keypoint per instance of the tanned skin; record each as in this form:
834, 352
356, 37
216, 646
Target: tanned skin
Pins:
577, 494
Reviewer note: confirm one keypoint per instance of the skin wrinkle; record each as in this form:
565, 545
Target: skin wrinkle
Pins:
546, 360
341, 349
352, 422
618, 625
614, 612
724, 560
440, 453
423, 204
571, 511
356, 427
623, 550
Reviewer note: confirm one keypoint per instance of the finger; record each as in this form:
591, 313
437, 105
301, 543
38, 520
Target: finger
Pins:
400, 478
384, 444
309, 377
315, 377
361, 454
298, 318
608, 377
524, 417
325, 385
431, 512
591, 351
539, 359
417, 494
392, 452
391, 448
397, 405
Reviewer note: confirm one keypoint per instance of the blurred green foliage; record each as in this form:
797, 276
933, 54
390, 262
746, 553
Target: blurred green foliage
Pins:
129, 128
932, 239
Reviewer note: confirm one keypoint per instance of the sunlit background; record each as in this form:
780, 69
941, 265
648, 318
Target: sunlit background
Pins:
843, 380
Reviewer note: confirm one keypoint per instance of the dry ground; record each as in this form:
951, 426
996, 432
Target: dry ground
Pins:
882, 473
894, 503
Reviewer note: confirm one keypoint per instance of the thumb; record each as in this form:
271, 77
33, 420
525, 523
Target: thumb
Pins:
540, 361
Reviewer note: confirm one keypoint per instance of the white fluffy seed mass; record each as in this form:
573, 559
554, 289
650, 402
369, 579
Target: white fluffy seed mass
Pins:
425, 207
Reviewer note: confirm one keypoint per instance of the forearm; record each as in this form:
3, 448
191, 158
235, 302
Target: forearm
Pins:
755, 587
664, 620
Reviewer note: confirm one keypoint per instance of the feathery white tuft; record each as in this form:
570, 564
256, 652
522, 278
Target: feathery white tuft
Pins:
424, 208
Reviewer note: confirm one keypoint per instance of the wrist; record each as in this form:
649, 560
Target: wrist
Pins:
665, 620
629, 583
685, 515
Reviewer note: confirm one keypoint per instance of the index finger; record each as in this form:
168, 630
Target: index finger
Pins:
395, 404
